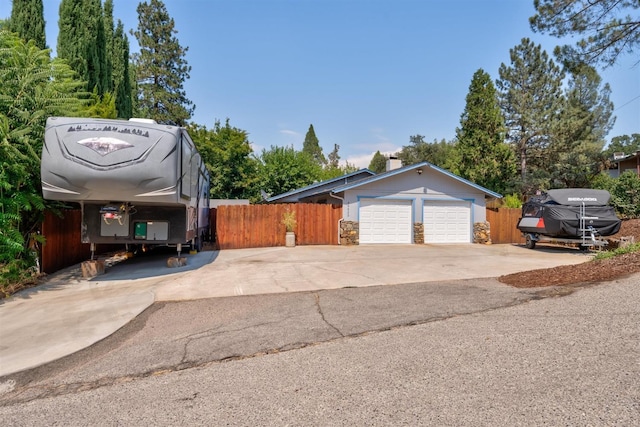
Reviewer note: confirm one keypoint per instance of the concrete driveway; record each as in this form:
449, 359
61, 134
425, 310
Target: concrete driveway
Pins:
69, 313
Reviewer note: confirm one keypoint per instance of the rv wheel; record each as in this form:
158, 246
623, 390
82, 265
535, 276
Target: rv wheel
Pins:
529, 243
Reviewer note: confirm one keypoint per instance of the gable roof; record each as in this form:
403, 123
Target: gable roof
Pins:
321, 187
420, 165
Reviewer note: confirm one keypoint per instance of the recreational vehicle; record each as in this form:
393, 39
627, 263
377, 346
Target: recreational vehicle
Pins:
137, 182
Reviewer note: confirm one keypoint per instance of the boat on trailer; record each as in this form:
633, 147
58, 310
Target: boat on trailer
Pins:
578, 216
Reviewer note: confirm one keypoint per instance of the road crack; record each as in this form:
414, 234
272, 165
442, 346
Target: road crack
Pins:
319, 308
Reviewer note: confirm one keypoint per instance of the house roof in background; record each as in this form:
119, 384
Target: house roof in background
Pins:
416, 166
317, 186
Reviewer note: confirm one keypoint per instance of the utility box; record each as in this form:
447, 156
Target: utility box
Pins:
140, 231
151, 230
118, 227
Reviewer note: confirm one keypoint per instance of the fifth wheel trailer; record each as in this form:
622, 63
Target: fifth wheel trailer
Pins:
137, 182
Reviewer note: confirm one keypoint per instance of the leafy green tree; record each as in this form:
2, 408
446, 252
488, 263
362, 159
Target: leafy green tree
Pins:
101, 106
283, 169
378, 163
32, 87
625, 192
82, 42
531, 98
311, 146
27, 19
437, 153
480, 154
626, 144
161, 67
607, 27
574, 155
227, 154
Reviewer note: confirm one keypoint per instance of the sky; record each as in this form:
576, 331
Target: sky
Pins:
367, 74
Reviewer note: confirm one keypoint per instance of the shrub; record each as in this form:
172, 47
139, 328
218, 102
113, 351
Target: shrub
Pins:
512, 201
289, 220
625, 192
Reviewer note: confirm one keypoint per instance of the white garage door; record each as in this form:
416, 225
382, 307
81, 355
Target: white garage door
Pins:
385, 221
447, 222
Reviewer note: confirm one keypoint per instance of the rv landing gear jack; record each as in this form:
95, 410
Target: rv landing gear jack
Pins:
177, 261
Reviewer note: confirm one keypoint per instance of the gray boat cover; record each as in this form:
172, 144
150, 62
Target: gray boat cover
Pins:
578, 196
558, 213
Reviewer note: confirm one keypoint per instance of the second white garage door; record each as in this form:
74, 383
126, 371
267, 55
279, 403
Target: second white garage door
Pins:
447, 222
385, 221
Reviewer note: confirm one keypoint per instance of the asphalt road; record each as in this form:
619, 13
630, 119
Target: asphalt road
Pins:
469, 352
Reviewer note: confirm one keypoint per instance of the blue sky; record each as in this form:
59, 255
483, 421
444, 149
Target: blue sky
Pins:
367, 74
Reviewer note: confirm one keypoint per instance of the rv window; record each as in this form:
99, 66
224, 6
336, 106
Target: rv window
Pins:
185, 173
195, 170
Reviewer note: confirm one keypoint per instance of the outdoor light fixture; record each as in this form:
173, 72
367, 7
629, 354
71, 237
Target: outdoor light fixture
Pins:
419, 171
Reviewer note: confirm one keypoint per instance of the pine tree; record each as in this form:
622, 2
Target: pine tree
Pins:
81, 41
161, 67
480, 154
27, 19
531, 99
378, 163
311, 146
575, 152
418, 150
334, 157
607, 28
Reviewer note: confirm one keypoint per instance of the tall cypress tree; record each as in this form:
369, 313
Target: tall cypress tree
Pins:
161, 67
311, 146
480, 153
117, 63
120, 73
107, 22
27, 19
81, 41
99, 72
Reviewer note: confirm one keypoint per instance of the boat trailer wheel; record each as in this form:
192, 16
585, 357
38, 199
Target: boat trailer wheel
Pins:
529, 242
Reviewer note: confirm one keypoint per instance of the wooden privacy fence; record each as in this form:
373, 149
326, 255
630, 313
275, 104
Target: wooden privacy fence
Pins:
236, 227
64, 245
255, 226
503, 225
